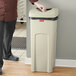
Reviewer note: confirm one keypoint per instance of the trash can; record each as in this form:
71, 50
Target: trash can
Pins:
43, 31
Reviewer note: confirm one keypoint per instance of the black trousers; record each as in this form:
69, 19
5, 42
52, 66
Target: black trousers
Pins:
6, 34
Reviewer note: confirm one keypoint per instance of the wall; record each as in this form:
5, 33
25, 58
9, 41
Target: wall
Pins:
66, 30
21, 8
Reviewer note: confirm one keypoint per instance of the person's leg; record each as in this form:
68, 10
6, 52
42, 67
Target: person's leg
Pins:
8, 34
1, 45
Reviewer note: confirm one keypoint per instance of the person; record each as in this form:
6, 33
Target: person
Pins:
8, 17
36, 2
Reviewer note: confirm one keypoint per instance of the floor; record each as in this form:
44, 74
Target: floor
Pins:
14, 69
21, 69
20, 31
21, 53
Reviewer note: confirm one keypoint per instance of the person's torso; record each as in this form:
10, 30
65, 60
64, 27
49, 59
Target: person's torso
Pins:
8, 8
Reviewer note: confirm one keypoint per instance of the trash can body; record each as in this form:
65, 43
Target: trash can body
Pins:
43, 32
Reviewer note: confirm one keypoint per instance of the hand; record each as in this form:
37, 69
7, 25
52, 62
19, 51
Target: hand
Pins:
41, 7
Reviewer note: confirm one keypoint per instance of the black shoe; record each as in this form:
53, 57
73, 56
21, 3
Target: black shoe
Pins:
12, 58
0, 71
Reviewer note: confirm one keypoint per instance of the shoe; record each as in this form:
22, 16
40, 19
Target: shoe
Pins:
12, 58
0, 71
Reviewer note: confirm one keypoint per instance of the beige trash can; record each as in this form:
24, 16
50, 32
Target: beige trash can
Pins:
43, 26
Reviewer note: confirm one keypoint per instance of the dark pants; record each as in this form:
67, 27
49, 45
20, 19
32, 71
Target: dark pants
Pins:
6, 33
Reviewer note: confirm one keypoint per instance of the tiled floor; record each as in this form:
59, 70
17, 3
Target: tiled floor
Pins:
20, 53
20, 31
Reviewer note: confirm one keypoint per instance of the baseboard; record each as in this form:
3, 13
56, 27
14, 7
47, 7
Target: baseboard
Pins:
59, 62
28, 61
65, 62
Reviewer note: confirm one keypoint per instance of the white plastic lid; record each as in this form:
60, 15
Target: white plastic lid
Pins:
51, 13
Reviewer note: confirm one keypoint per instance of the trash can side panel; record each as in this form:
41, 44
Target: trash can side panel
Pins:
33, 54
33, 67
41, 52
52, 45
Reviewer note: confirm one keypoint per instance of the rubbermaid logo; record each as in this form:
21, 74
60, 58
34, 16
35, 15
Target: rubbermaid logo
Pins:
41, 20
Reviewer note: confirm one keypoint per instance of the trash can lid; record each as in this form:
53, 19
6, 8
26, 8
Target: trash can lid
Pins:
50, 13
